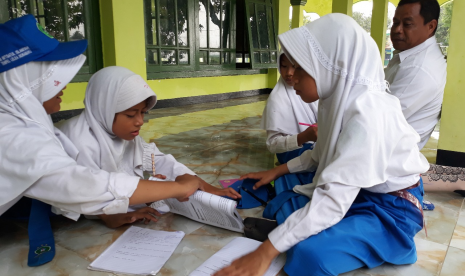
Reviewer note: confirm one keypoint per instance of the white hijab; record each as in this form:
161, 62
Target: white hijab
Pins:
363, 137
110, 90
284, 109
29, 148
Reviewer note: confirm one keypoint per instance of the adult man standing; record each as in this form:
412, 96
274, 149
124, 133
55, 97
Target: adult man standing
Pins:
417, 71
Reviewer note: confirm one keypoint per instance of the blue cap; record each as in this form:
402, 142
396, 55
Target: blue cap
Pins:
25, 40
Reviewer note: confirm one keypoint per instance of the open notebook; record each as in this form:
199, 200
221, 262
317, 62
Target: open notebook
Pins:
138, 251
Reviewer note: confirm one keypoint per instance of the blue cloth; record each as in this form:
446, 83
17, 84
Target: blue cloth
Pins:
377, 229
288, 202
247, 201
41, 241
286, 156
26, 40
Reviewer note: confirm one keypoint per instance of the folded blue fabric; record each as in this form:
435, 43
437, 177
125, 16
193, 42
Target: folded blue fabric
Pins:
245, 188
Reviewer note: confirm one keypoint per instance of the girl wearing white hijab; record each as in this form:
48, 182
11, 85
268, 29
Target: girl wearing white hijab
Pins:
106, 133
365, 197
283, 112
38, 161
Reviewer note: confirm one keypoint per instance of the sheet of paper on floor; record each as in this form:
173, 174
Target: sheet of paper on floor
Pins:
236, 248
138, 251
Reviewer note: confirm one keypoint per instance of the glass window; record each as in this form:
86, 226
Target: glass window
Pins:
66, 20
261, 32
168, 35
183, 35
215, 32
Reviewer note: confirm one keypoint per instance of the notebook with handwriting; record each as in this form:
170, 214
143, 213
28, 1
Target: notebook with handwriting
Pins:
138, 251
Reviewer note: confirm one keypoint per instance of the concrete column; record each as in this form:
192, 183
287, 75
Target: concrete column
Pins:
342, 6
297, 13
379, 24
123, 34
451, 145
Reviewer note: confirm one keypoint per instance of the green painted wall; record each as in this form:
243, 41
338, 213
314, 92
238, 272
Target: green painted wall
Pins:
379, 25
177, 88
452, 131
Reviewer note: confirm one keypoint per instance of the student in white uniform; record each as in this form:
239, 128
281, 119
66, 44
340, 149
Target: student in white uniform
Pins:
417, 71
38, 161
283, 112
106, 135
365, 197
417, 74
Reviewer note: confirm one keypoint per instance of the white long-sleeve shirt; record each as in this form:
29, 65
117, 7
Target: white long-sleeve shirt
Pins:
278, 142
329, 204
417, 77
95, 192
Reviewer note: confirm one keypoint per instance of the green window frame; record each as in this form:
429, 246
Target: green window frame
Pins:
60, 18
217, 40
262, 32
173, 18
169, 35
218, 16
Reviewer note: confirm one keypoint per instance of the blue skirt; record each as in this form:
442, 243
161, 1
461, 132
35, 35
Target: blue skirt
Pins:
377, 229
286, 156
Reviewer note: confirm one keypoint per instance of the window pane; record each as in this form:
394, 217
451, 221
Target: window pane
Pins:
18, 8
203, 57
151, 22
214, 23
239, 58
273, 57
253, 25
256, 57
214, 57
203, 25
247, 58
76, 20
271, 26
225, 58
54, 18
262, 27
152, 57
265, 57
152, 32
167, 23
225, 17
183, 57
168, 57
182, 23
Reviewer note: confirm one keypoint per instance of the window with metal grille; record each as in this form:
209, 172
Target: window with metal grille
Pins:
66, 20
200, 35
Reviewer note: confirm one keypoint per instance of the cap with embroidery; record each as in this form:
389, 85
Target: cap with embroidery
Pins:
25, 40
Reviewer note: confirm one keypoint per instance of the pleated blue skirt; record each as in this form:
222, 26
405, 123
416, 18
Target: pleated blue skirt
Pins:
286, 156
377, 229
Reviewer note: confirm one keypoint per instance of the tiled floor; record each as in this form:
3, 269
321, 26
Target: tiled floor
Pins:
223, 140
